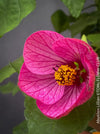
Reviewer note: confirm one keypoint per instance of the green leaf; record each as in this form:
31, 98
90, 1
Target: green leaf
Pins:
74, 6
95, 39
83, 21
17, 64
59, 21
98, 3
73, 123
12, 12
0, 36
88, 129
98, 52
10, 69
84, 38
21, 128
9, 88
6, 72
89, 29
92, 29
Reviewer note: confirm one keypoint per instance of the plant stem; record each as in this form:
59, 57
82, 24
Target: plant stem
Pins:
93, 5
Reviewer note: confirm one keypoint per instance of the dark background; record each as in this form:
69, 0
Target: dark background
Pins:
11, 47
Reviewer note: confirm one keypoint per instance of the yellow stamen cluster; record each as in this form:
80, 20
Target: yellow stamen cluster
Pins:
95, 132
65, 75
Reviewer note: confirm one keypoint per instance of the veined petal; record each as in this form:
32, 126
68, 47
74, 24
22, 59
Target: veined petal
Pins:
73, 96
90, 83
91, 55
74, 50
41, 87
38, 54
69, 49
64, 105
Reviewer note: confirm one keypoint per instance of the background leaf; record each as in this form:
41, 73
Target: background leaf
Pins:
17, 64
9, 88
21, 128
60, 21
12, 12
95, 39
73, 123
98, 52
13, 67
89, 129
80, 24
74, 6
98, 3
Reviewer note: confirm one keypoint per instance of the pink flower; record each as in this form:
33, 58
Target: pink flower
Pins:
58, 72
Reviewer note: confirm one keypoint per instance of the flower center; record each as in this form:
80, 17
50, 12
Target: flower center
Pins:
65, 75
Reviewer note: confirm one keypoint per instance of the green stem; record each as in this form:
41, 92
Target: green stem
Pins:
93, 5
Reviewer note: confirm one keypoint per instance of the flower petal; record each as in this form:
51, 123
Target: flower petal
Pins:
90, 84
74, 50
38, 54
91, 55
41, 87
64, 105
73, 96
69, 49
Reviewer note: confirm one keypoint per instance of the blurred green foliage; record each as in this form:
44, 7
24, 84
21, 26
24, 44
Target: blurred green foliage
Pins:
79, 21
12, 12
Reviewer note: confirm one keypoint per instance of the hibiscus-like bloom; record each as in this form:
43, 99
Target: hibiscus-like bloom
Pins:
58, 72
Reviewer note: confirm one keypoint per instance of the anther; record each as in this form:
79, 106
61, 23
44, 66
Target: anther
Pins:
65, 75
54, 69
